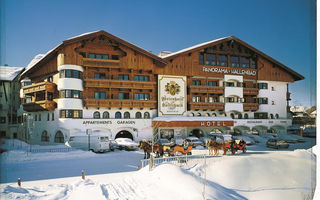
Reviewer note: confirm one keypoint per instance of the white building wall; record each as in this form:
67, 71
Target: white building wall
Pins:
277, 98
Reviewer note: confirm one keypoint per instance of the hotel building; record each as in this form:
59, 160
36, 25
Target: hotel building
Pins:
99, 82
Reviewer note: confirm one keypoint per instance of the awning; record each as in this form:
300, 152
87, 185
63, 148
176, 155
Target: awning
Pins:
181, 121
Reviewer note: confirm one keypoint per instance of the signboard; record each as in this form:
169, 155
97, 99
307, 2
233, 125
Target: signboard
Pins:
172, 95
212, 123
229, 71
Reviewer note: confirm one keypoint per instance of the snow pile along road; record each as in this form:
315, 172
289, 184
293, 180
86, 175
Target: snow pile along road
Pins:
275, 175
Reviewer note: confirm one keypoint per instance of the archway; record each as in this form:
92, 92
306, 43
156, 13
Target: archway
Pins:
197, 133
124, 134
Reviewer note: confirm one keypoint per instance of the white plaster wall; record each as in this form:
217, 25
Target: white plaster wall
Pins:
70, 103
233, 91
233, 77
233, 106
278, 96
74, 67
70, 84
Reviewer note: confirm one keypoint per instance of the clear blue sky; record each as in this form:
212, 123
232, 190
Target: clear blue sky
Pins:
283, 29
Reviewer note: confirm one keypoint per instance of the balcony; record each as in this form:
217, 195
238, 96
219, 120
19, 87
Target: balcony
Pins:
206, 106
206, 89
117, 103
250, 106
90, 62
39, 87
105, 83
43, 105
251, 91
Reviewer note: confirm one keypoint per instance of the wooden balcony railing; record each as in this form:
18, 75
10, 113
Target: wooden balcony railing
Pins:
90, 62
105, 83
206, 89
250, 91
250, 106
39, 106
206, 106
37, 87
111, 103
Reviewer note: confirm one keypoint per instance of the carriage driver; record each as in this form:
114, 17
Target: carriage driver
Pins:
241, 143
185, 143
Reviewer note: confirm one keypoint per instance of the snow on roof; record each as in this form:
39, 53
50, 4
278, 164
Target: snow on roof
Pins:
192, 47
183, 118
83, 34
8, 73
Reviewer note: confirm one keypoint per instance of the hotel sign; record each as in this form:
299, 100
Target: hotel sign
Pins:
229, 71
212, 123
172, 95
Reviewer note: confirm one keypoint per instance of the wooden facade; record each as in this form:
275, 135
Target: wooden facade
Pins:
122, 59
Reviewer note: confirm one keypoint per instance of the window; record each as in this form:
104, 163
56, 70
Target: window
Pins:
277, 116
115, 57
70, 94
141, 96
234, 61
253, 64
271, 116
146, 115
35, 117
240, 116
244, 62
213, 99
39, 117
70, 73
98, 56
201, 59
230, 100
263, 85
70, 113
262, 115
232, 115
138, 115
262, 100
126, 115
230, 84
123, 77
105, 115
99, 95
58, 138
246, 116
210, 59
96, 115
212, 83
272, 88
222, 60
52, 116
196, 82
123, 95
48, 117
118, 115
99, 76
196, 99
45, 136
141, 78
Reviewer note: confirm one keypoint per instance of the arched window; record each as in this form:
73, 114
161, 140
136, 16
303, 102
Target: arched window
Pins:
246, 116
232, 115
45, 136
240, 116
58, 138
105, 115
207, 114
199, 114
138, 115
214, 114
271, 116
126, 115
146, 115
118, 115
96, 115
277, 116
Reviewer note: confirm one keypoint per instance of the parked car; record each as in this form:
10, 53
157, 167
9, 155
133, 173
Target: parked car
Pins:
127, 144
248, 140
288, 138
164, 142
113, 145
221, 137
194, 141
179, 141
277, 144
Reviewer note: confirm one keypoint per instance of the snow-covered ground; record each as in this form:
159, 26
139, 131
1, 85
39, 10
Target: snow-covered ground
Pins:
261, 173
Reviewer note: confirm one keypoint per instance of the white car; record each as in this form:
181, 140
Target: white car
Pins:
127, 144
221, 137
194, 141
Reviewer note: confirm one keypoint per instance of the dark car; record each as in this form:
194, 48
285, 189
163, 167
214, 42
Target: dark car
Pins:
277, 144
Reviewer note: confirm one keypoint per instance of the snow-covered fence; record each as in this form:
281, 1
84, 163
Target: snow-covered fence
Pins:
177, 160
51, 150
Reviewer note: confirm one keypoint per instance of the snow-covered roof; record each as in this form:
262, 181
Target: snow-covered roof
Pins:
192, 47
183, 118
8, 73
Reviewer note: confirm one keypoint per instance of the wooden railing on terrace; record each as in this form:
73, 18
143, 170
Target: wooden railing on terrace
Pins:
90, 62
206, 106
111, 103
106, 83
206, 89
39, 106
42, 86
250, 106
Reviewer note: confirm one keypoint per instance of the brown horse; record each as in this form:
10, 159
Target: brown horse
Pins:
147, 148
209, 145
217, 146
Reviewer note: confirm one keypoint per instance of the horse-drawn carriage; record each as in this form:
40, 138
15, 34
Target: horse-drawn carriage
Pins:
230, 145
161, 150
